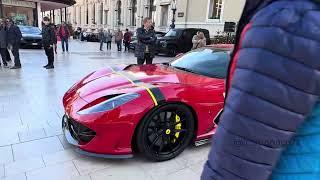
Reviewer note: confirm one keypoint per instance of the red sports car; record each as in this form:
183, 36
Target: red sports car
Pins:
157, 110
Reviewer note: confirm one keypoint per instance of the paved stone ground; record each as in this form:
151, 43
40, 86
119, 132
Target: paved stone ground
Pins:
31, 143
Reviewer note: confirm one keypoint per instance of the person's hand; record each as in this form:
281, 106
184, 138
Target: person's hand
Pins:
51, 46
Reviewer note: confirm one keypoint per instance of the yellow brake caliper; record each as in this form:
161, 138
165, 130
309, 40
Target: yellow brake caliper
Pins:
177, 127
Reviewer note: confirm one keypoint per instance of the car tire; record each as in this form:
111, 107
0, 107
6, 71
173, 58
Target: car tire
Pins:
173, 124
172, 51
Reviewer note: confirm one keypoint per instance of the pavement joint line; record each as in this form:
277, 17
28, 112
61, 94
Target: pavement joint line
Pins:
29, 141
76, 167
45, 165
4, 171
19, 137
13, 158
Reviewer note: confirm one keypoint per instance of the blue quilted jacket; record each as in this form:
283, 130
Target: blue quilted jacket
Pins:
270, 127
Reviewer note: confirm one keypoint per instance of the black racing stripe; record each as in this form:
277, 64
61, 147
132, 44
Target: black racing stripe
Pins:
157, 93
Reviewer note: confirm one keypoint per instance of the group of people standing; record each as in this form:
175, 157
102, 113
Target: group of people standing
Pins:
10, 40
106, 37
10, 37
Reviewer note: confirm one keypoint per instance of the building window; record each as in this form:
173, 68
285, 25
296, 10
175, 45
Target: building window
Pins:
20, 15
106, 12
133, 20
87, 13
118, 13
164, 15
101, 14
215, 9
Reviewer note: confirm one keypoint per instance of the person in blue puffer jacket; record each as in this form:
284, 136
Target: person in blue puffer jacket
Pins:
270, 127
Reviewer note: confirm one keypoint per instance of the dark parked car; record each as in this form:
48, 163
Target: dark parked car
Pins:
179, 40
31, 37
134, 40
90, 36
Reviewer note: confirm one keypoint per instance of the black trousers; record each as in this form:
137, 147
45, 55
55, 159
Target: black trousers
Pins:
16, 55
119, 45
8, 55
50, 55
3, 52
126, 46
108, 45
147, 58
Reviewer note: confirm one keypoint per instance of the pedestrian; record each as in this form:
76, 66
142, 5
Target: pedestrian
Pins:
102, 38
108, 37
14, 40
127, 39
199, 40
270, 127
146, 43
64, 34
48, 39
3, 43
118, 39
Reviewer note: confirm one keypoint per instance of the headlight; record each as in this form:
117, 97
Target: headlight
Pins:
110, 104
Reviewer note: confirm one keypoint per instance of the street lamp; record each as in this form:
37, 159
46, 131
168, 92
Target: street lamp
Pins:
174, 9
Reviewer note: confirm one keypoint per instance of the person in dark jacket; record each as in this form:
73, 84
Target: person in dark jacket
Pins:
48, 40
64, 34
127, 39
102, 38
14, 40
3, 43
270, 127
146, 43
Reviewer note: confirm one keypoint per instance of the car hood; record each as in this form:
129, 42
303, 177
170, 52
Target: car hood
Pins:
109, 81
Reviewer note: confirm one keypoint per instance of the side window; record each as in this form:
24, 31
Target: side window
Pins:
188, 34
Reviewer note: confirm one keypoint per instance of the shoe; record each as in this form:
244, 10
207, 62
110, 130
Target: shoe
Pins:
5, 66
46, 66
16, 67
50, 67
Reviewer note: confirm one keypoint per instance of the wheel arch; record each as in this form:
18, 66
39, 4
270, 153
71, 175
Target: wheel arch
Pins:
195, 117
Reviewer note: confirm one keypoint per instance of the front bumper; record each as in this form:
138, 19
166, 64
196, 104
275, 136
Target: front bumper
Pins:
31, 42
79, 135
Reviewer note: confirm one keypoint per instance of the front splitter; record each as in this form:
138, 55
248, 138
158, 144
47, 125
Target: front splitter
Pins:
75, 143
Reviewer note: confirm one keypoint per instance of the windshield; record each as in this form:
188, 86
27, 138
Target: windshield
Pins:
173, 33
29, 30
204, 61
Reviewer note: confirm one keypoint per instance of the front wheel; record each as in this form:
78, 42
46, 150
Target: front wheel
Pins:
172, 51
165, 132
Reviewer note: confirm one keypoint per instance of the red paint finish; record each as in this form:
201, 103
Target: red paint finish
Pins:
115, 129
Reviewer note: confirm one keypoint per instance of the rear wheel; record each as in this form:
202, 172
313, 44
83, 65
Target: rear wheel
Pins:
165, 132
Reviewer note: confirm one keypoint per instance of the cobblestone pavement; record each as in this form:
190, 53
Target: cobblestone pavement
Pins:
31, 143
